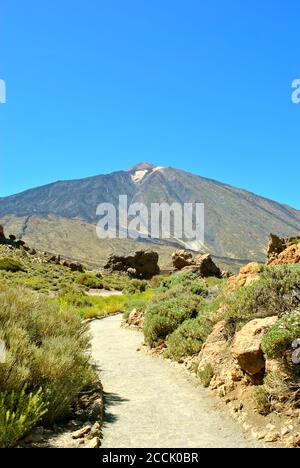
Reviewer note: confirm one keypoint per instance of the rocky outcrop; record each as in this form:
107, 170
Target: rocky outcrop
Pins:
136, 319
248, 274
142, 264
283, 250
203, 265
246, 347
291, 255
181, 259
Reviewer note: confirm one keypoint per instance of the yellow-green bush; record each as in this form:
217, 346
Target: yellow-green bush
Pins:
19, 413
46, 348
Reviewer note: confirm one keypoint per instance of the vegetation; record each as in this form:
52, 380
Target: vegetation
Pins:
282, 335
46, 354
9, 264
19, 412
205, 375
276, 293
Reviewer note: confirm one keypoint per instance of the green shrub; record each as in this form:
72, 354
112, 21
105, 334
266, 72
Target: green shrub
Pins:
205, 375
276, 293
135, 286
261, 400
162, 318
189, 337
46, 348
90, 281
188, 281
76, 299
19, 413
9, 264
281, 336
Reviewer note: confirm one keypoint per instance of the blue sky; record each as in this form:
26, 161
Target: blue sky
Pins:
97, 86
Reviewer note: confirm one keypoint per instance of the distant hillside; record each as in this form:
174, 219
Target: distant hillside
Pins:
237, 222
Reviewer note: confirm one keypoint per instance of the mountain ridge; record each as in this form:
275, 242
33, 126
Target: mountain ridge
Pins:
237, 221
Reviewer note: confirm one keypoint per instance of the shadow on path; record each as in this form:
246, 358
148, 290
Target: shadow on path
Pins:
111, 400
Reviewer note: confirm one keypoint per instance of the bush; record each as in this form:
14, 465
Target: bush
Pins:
281, 336
136, 285
189, 337
19, 413
76, 299
276, 293
90, 281
261, 400
162, 318
46, 348
189, 282
205, 375
9, 264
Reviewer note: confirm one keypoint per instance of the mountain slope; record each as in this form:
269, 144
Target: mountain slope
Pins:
237, 222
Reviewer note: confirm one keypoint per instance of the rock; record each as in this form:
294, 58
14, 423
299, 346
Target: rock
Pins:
275, 247
213, 350
207, 267
95, 410
136, 319
142, 264
272, 437
248, 274
2, 231
81, 432
76, 267
291, 255
95, 431
181, 259
251, 269
12, 237
246, 347
285, 431
36, 436
203, 265
94, 443
283, 250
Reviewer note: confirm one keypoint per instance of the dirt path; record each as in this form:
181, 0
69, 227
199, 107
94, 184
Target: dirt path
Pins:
151, 404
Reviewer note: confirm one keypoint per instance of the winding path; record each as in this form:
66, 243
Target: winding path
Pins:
151, 404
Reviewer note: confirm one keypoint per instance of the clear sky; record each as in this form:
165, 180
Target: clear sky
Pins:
204, 85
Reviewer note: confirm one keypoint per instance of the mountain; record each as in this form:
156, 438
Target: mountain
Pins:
62, 216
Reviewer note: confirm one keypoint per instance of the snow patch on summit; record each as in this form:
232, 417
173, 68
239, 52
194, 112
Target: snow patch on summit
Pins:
138, 176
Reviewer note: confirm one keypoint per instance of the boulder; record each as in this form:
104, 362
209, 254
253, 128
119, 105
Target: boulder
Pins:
76, 267
136, 319
275, 247
202, 265
181, 259
283, 250
142, 264
214, 348
248, 274
291, 255
2, 232
246, 347
207, 267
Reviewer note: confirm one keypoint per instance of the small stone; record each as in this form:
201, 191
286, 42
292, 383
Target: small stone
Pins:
272, 437
95, 431
261, 435
285, 431
94, 443
33, 439
36, 436
81, 432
